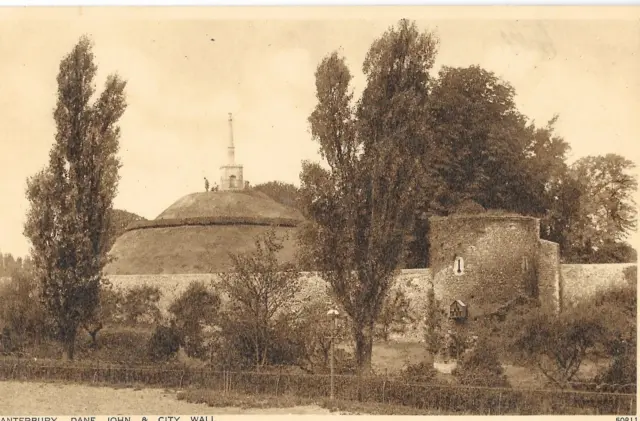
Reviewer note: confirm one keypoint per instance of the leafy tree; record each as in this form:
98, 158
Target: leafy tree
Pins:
27, 264
108, 311
21, 312
284, 193
195, 309
488, 151
360, 208
614, 252
545, 164
164, 343
434, 323
140, 305
394, 314
563, 209
10, 264
559, 344
120, 220
606, 211
311, 335
260, 289
71, 199
484, 151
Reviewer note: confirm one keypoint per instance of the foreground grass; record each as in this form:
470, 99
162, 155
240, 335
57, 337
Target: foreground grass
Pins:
244, 401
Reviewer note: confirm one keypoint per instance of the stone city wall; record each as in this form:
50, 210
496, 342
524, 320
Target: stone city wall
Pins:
549, 287
581, 282
577, 283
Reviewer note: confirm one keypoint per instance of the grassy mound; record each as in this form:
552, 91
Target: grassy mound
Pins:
188, 249
240, 204
197, 233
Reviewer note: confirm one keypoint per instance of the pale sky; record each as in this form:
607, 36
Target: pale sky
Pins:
181, 85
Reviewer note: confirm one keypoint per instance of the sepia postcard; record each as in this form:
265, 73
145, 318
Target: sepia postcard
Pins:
321, 211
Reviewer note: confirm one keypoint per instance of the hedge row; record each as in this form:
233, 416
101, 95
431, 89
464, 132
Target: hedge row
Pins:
447, 398
212, 220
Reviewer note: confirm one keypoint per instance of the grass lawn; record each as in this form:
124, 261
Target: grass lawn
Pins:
391, 357
235, 400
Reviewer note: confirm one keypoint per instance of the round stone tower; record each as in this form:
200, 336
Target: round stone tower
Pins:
482, 262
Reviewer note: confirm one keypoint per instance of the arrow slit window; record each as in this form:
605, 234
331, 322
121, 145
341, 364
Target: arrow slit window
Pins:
525, 264
458, 266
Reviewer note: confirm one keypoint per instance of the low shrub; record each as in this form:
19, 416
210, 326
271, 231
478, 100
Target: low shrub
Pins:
618, 310
164, 343
195, 309
116, 345
621, 372
480, 366
418, 373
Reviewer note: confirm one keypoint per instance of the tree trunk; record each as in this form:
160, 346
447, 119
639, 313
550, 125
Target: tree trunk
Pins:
94, 342
257, 354
70, 342
364, 346
385, 332
265, 350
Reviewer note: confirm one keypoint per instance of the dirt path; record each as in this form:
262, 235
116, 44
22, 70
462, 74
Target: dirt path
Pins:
31, 398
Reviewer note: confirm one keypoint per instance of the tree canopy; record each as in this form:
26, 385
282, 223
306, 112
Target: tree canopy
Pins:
69, 220
360, 208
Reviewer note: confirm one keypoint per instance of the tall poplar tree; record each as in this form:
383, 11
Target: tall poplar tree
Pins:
361, 207
71, 198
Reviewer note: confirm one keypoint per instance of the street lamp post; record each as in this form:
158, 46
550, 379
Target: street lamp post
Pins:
333, 314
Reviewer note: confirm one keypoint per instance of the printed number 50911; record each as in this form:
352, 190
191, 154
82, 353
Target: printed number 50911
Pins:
626, 418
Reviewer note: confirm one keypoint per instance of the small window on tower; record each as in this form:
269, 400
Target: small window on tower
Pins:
525, 264
458, 266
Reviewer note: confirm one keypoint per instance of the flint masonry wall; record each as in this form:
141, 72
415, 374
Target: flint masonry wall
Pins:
498, 252
569, 285
580, 283
414, 282
549, 276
